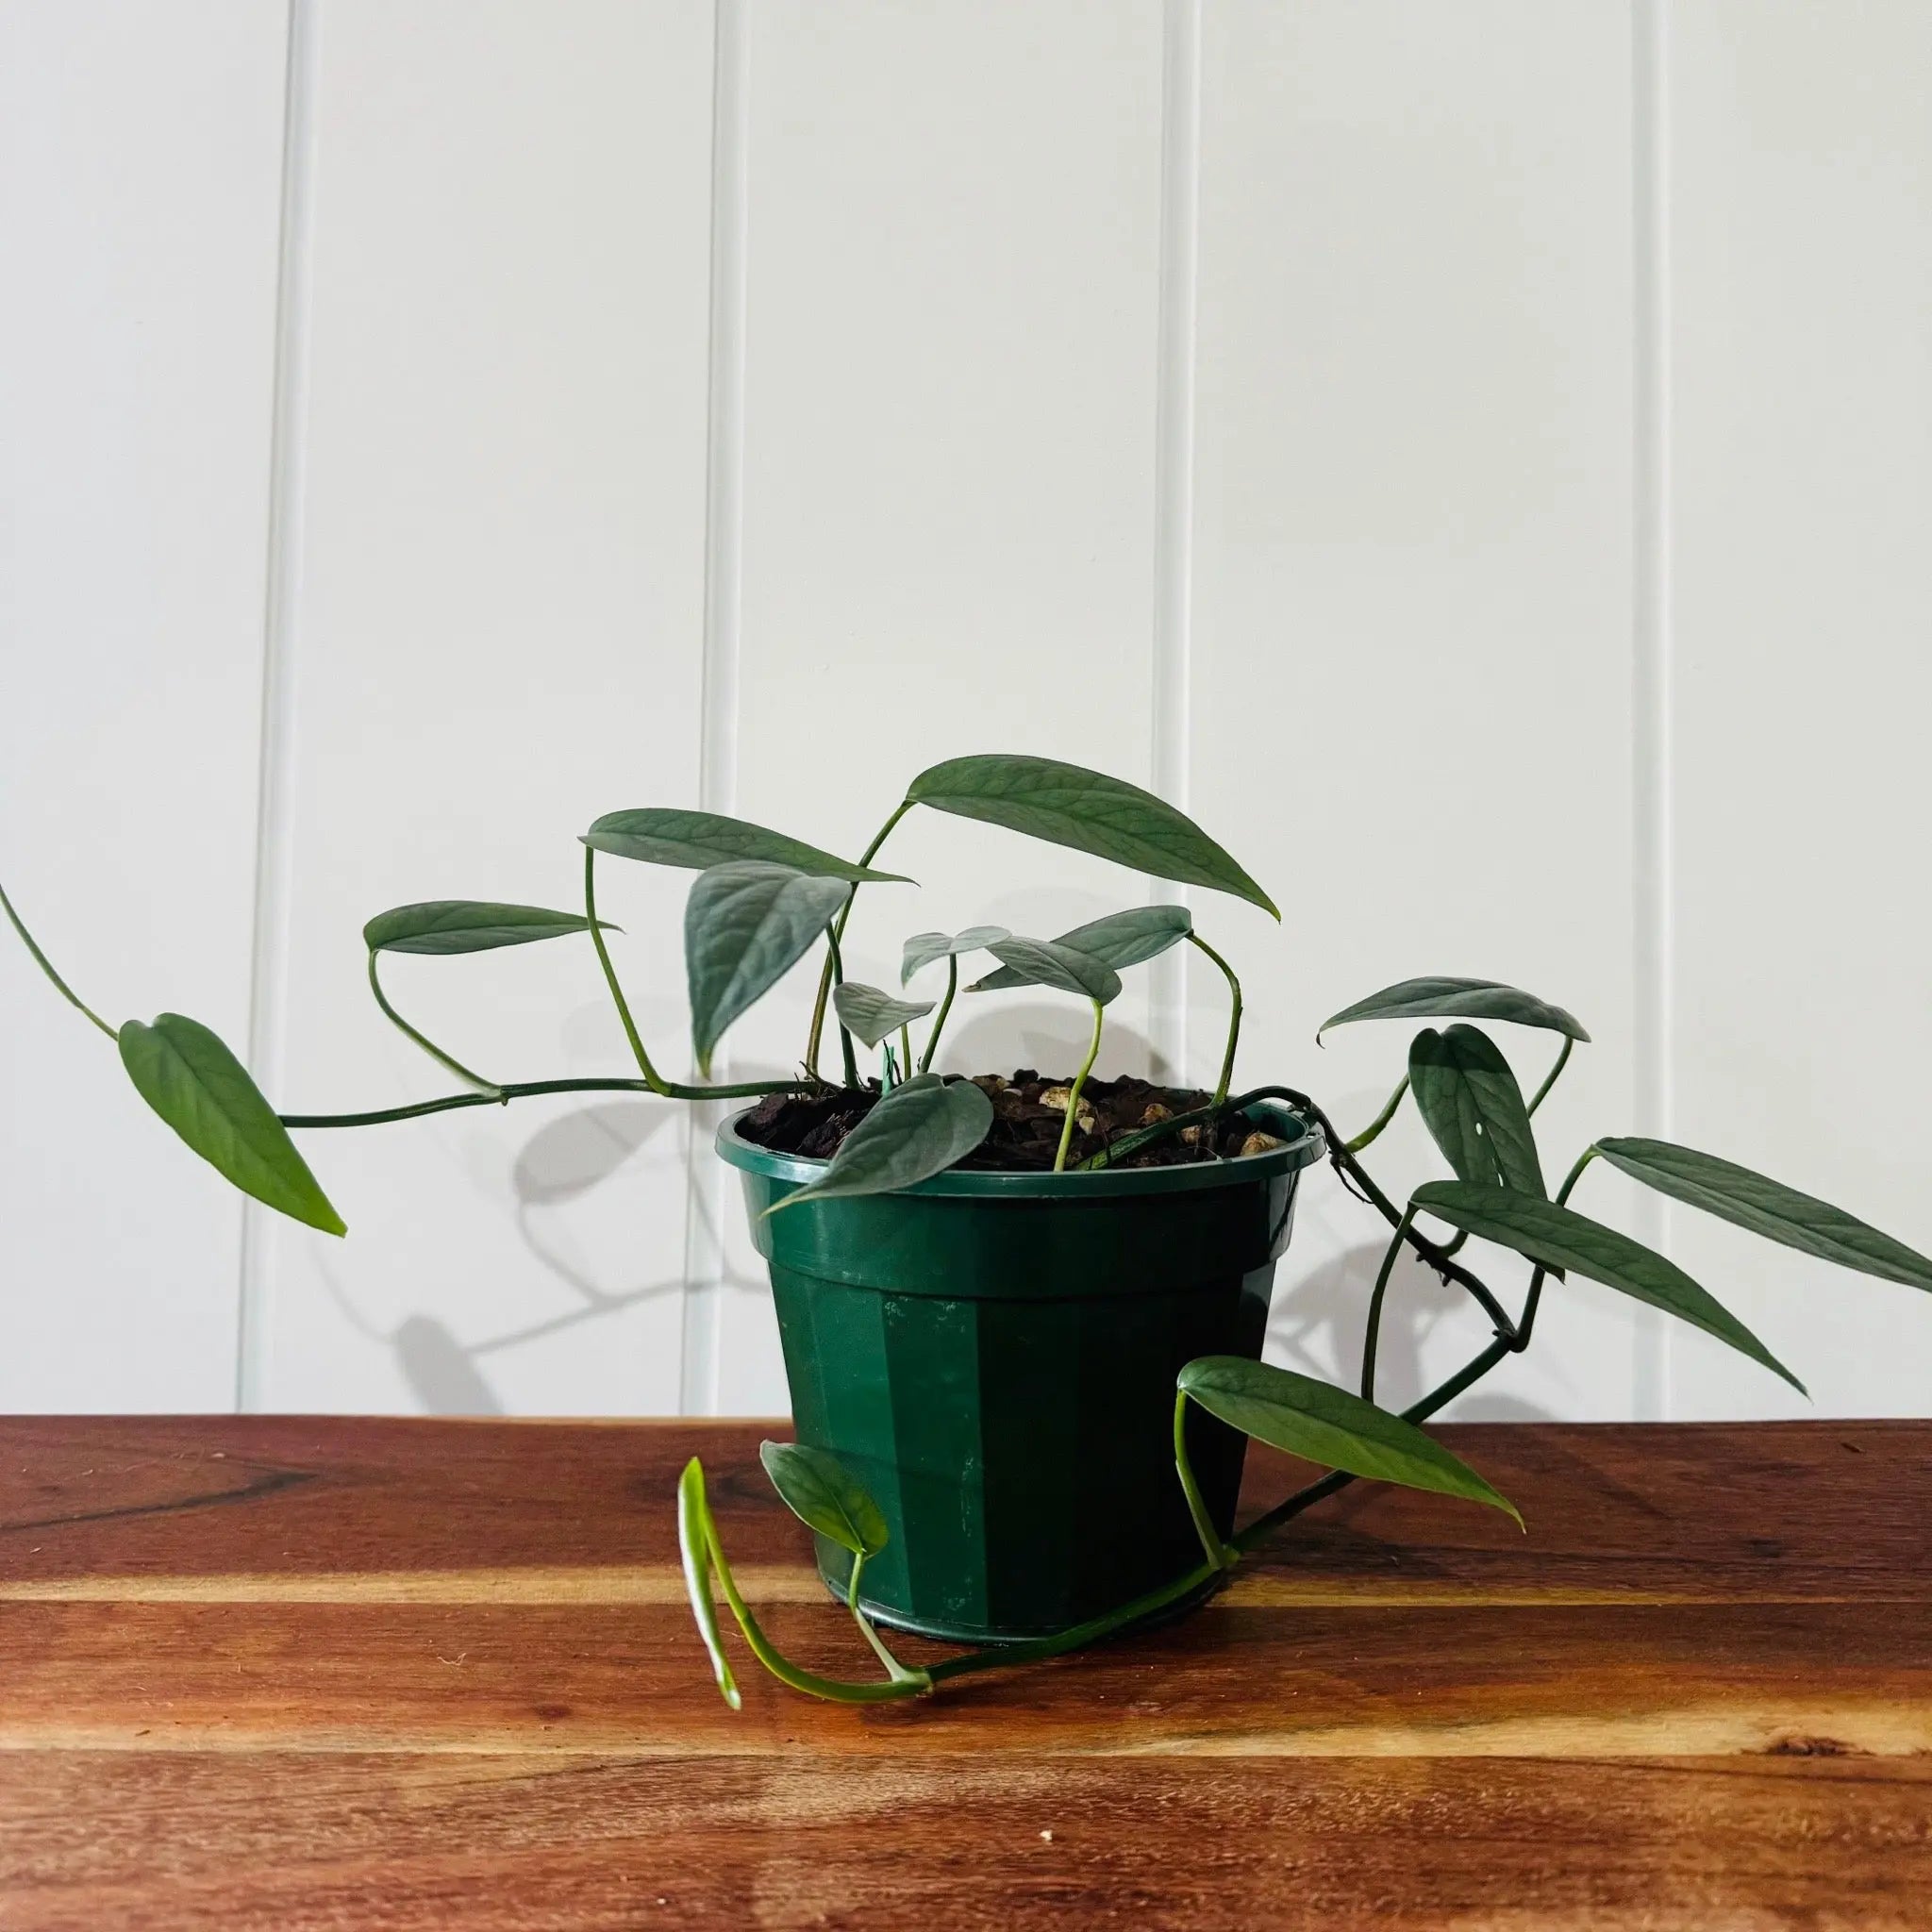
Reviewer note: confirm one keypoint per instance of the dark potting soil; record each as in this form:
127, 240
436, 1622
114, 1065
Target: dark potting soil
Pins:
1029, 1112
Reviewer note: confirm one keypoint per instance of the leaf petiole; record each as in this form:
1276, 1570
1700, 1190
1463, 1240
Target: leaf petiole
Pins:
489, 1089
47, 966
1060, 1159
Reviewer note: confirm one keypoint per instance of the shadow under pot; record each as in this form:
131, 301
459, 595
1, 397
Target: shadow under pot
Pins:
993, 1357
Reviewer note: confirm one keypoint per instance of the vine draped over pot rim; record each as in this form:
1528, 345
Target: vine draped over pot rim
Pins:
763, 900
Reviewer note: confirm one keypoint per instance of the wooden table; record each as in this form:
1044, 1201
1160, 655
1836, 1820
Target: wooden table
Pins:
274, 1671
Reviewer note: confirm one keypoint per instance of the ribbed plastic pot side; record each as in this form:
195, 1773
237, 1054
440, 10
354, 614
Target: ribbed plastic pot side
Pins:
993, 1355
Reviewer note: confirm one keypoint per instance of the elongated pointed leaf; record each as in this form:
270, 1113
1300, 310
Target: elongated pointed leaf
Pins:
918, 1130
1768, 1207
203, 1092
1327, 1425
1561, 1238
467, 925
923, 948
824, 1496
700, 839
1471, 1105
696, 1552
1120, 941
870, 1015
1041, 962
1067, 804
1440, 997
745, 924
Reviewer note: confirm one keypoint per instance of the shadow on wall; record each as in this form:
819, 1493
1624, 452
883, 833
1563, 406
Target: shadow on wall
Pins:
564, 1158
1316, 1327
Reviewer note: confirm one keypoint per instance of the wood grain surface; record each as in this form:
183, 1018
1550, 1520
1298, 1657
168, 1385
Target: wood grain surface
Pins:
278, 1672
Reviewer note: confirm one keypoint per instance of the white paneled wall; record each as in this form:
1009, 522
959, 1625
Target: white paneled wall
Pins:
1476, 458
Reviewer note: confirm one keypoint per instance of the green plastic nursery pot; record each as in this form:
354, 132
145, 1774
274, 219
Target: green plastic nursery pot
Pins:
993, 1357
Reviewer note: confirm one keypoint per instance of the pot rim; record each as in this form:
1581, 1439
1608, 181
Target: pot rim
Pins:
1301, 1149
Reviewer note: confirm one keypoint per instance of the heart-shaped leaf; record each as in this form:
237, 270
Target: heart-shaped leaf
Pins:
1041, 962
1067, 804
1120, 941
467, 925
697, 841
203, 1092
745, 924
923, 948
918, 1130
1440, 997
818, 1491
870, 1015
1562, 1238
1329, 1427
1473, 1107
1766, 1207
694, 1547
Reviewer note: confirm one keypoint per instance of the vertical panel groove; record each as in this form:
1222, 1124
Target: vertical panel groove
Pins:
1652, 653
273, 823
1174, 483
709, 1197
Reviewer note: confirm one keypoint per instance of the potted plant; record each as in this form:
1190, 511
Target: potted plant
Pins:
1022, 1316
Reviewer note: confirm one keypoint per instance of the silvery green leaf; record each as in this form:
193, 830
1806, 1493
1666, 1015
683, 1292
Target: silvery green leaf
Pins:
1473, 1107
1041, 962
467, 925
746, 923
869, 1014
1328, 1426
916, 1131
1768, 1207
1120, 940
1560, 1238
1441, 997
1068, 805
658, 835
923, 948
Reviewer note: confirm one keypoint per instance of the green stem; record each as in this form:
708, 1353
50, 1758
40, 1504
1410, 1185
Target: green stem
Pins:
1575, 1174
653, 1079
932, 1039
1060, 1159
1372, 1132
1563, 1062
833, 1688
490, 1088
1373, 1334
1218, 1553
526, 1090
836, 964
47, 966
819, 1006
1234, 1017
899, 1672
905, 1052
